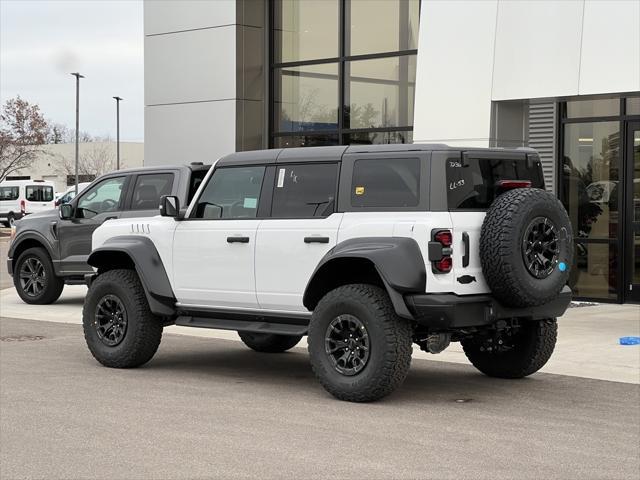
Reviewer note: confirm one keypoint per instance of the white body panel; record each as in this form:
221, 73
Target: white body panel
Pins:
471, 223
208, 270
285, 263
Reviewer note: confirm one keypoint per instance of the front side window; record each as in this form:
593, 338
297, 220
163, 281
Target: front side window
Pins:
9, 193
232, 192
386, 183
149, 188
38, 193
101, 198
304, 191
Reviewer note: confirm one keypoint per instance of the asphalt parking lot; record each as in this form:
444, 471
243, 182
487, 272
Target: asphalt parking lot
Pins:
207, 407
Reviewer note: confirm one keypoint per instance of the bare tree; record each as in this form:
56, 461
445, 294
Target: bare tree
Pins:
95, 160
23, 131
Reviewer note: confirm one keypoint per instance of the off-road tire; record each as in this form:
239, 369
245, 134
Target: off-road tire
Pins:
532, 349
144, 329
269, 342
53, 285
390, 343
501, 247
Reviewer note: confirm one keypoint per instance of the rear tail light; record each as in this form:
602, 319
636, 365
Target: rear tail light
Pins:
509, 184
440, 251
23, 206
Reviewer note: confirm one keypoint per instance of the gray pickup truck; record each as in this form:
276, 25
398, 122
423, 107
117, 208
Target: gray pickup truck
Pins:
50, 249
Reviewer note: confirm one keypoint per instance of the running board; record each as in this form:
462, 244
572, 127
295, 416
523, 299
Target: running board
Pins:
242, 325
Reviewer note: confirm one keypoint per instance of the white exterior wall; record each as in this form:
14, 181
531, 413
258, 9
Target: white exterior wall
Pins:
190, 80
473, 52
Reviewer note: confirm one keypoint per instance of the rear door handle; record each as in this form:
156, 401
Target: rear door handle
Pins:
316, 239
237, 239
465, 255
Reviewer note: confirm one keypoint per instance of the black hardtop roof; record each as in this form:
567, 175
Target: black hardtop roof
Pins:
155, 168
333, 153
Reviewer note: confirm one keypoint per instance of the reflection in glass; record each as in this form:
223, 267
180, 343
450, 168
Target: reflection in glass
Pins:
594, 271
380, 92
305, 141
305, 30
636, 176
633, 106
590, 174
383, 26
593, 108
377, 138
306, 98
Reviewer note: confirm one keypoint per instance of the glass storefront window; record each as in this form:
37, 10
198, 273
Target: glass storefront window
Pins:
305, 30
380, 92
306, 98
290, 141
383, 26
607, 107
590, 174
633, 106
378, 138
594, 272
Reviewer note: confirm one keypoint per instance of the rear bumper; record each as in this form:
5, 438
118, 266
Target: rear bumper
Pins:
16, 215
450, 311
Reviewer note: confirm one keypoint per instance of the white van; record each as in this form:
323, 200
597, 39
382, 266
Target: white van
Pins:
70, 193
22, 197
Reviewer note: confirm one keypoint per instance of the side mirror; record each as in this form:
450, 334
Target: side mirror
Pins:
169, 206
66, 211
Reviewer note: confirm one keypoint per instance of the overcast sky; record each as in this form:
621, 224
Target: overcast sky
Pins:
42, 41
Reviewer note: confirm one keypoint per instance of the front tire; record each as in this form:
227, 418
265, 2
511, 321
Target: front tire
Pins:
360, 349
520, 354
35, 279
269, 342
119, 328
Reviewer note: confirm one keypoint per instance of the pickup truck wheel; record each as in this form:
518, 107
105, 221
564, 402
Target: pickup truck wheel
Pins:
268, 342
34, 278
119, 328
360, 349
518, 355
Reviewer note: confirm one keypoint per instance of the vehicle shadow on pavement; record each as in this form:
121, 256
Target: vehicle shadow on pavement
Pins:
427, 381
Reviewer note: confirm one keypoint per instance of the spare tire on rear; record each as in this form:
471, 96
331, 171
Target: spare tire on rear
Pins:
526, 247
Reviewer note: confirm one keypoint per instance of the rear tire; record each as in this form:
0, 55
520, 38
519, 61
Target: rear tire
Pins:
35, 279
117, 296
269, 342
360, 349
11, 220
526, 352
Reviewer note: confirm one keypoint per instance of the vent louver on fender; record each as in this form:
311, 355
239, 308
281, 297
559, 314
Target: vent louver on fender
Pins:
542, 137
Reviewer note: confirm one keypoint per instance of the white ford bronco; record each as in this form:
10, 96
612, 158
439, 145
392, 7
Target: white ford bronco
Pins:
364, 249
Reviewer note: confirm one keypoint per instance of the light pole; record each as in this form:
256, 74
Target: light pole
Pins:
117, 99
78, 77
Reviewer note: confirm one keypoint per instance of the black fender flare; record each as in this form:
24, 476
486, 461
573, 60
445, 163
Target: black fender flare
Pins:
398, 261
35, 236
145, 257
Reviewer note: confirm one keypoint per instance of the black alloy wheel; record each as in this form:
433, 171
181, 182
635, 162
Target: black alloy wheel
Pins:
110, 320
347, 344
540, 247
33, 278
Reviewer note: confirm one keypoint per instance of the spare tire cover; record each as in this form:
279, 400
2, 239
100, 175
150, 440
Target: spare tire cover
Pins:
526, 247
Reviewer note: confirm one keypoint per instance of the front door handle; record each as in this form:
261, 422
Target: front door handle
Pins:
238, 239
316, 239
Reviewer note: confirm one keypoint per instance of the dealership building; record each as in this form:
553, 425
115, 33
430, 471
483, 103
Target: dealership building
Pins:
562, 77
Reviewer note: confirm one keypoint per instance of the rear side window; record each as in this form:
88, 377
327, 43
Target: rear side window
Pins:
38, 193
305, 191
386, 183
149, 188
9, 193
474, 185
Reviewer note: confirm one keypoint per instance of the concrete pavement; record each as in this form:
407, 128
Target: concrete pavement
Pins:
587, 336
211, 408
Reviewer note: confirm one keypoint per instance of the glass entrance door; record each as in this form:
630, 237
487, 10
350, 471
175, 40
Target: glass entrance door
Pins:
632, 272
